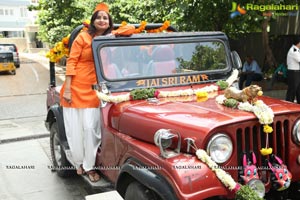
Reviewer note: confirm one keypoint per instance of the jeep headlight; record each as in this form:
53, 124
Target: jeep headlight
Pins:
163, 138
220, 148
296, 132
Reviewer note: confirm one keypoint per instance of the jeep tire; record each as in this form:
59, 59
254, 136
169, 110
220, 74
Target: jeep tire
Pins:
60, 163
136, 191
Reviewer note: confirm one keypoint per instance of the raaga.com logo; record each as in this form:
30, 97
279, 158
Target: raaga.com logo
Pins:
276, 9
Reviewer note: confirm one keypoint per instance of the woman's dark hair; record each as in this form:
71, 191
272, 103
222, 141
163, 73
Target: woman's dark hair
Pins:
92, 29
296, 40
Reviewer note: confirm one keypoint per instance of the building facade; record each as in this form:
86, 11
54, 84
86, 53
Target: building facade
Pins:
17, 23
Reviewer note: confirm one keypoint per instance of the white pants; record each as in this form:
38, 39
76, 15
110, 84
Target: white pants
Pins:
83, 133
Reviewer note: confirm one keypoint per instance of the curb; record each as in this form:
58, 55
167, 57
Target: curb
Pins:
29, 137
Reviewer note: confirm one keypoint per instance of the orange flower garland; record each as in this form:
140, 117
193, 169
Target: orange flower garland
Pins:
143, 24
61, 48
160, 29
141, 28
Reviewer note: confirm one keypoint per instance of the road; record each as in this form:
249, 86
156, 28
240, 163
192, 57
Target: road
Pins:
24, 141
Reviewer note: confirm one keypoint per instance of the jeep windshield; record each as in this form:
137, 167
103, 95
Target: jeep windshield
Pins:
134, 62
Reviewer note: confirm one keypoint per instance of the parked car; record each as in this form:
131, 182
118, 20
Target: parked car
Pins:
164, 134
13, 48
7, 62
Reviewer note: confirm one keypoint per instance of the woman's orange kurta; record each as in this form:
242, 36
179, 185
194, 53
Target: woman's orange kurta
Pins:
80, 65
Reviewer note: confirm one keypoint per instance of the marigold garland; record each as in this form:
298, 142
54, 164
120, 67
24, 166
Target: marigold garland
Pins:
61, 50
141, 27
143, 24
164, 27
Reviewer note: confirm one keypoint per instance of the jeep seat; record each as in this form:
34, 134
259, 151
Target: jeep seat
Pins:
163, 61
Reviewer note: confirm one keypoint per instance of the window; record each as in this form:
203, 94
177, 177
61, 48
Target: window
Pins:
174, 59
23, 12
1, 12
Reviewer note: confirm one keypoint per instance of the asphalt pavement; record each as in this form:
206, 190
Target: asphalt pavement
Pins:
43, 60
25, 160
18, 129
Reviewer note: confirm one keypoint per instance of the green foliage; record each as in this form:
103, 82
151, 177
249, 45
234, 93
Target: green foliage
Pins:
185, 15
139, 94
57, 18
246, 193
57, 33
151, 11
222, 84
231, 103
207, 56
189, 15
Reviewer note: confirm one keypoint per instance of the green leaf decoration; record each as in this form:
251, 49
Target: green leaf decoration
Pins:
246, 193
139, 94
222, 84
231, 103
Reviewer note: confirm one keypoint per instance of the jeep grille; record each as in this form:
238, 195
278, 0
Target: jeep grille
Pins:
252, 138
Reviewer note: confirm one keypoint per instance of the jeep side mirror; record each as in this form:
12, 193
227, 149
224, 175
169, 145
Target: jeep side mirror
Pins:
237, 63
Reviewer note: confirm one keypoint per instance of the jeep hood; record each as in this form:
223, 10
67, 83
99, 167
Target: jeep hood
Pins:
192, 118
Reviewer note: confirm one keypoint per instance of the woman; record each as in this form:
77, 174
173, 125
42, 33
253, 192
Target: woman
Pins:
80, 104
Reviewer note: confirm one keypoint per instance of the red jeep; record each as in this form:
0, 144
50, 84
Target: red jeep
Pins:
159, 106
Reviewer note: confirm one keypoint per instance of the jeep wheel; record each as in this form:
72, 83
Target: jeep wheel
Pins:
60, 163
136, 191
13, 72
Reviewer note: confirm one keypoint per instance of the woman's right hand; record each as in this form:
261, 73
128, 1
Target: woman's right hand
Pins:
67, 96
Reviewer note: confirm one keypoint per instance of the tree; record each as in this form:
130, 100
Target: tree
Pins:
152, 11
57, 18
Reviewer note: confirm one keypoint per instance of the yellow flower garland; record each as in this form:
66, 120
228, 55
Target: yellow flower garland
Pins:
59, 50
268, 129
